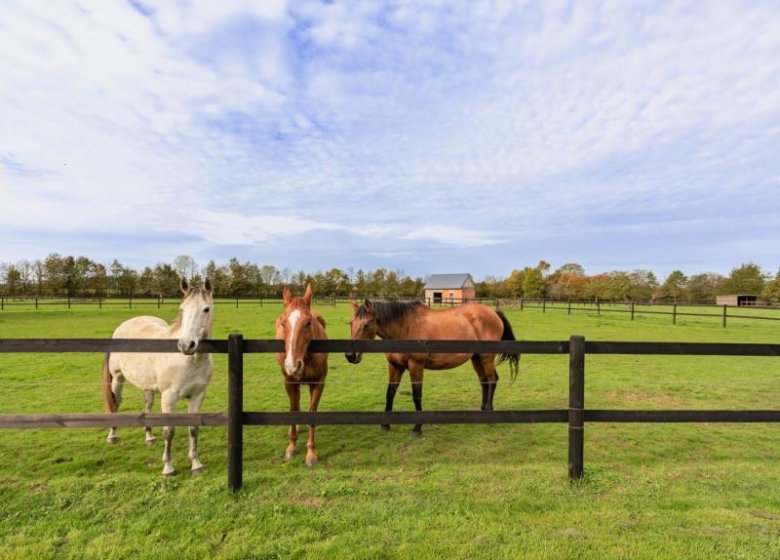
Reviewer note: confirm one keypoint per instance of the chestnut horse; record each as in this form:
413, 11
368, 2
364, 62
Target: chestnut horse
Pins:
298, 326
173, 376
416, 321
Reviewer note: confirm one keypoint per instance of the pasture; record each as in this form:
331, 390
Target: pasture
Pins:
650, 491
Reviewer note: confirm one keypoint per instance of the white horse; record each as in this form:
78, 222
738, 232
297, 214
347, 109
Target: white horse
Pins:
173, 376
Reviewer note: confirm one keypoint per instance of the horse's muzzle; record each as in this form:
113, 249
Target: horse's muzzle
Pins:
353, 357
187, 347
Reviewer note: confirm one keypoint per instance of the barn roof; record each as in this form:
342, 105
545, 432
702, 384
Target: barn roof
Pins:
449, 281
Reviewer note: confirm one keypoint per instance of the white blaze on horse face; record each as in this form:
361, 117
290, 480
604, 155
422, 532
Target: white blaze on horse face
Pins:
289, 361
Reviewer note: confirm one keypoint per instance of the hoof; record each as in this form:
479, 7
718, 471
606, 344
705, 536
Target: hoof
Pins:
151, 442
416, 433
197, 472
384, 427
289, 455
169, 473
312, 462
111, 439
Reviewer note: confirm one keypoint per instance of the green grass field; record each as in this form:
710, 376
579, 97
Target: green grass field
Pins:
493, 491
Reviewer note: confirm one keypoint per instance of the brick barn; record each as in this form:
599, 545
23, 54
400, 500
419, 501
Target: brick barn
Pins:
450, 288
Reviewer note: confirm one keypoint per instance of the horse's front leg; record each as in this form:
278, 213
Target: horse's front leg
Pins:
194, 406
148, 403
416, 377
294, 394
168, 404
117, 383
395, 373
315, 392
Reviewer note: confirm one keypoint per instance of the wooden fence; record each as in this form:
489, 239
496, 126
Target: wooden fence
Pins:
576, 415
632, 309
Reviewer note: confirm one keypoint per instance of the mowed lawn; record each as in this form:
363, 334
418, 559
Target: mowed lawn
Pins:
493, 491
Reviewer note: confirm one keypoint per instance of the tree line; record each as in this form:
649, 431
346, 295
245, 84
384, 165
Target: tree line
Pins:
570, 283
59, 276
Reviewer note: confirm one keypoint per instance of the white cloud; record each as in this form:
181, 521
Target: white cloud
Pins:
401, 121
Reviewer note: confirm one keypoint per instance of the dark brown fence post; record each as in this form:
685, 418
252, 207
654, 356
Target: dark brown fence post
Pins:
100, 303
569, 312
159, 301
235, 450
544, 305
236, 302
632, 310
576, 405
725, 307
130, 302
36, 304
674, 314
68, 301
521, 304
2, 304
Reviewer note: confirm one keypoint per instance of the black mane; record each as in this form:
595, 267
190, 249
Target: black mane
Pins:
386, 312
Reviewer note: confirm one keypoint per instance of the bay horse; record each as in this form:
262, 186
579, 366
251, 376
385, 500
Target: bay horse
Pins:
172, 375
298, 325
416, 321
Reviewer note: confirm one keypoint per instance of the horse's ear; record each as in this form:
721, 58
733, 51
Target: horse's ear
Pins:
207, 286
355, 305
184, 286
286, 295
369, 306
307, 295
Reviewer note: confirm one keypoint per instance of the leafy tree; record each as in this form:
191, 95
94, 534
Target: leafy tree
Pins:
703, 287
98, 281
54, 273
533, 283
745, 279
13, 280
674, 287
166, 280
643, 285
514, 284
568, 282
186, 267
598, 287
146, 284
771, 292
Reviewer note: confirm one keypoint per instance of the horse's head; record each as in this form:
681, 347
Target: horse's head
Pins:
362, 327
294, 326
195, 315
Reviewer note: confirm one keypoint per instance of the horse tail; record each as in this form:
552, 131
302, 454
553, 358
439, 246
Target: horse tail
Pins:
108, 395
513, 359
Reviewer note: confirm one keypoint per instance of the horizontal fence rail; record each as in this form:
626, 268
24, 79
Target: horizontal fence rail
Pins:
576, 415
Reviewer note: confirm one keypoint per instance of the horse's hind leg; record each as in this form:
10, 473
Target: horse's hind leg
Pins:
168, 404
194, 406
117, 383
148, 402
489, 366
416, 377
476, 361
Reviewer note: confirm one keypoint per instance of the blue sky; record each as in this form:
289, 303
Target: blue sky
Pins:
421, 136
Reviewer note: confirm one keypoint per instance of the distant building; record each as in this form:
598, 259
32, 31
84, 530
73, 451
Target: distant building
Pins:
740, 300
450, 288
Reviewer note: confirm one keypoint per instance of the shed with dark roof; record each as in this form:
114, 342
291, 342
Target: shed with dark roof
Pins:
450, 288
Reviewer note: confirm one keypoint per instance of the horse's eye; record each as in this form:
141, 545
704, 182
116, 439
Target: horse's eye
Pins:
206, 310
